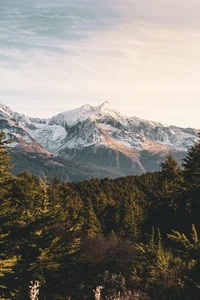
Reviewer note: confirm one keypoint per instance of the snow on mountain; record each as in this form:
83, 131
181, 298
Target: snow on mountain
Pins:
10, 123
82, 113
104, 136
5, 111
50, 136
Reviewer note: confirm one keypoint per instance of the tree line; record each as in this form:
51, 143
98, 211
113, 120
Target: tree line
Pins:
135, 236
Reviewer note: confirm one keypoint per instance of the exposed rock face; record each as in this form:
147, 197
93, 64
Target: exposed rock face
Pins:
101, 136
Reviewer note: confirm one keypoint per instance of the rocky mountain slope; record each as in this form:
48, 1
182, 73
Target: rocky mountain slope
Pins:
28, 154
101, 136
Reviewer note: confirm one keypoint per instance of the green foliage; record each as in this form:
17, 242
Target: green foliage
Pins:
66, 235
191, 174
170, 169
5, 165
6, 266
191, 165
188, 250
156, 271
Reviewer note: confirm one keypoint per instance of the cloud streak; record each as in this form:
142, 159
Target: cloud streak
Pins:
141, 56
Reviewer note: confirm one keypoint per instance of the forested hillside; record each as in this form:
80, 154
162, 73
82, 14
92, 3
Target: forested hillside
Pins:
136, 236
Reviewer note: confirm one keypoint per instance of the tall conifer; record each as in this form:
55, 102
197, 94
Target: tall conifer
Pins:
191, 173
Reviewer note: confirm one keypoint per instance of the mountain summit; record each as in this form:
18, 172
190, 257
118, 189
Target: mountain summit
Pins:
80, 114
102, 136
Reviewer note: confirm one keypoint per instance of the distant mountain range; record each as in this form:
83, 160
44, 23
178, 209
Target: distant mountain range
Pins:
92, 142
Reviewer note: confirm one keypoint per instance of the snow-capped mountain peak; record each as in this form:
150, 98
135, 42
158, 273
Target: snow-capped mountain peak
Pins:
105, 106
71, 117
5, 110
84, 112
106, 109
101, 135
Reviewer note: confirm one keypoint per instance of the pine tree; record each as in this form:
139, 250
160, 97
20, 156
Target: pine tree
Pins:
6, 264
156, 270
170, 169
188, 249
91, 225
36, 231
191, 165
5, 165
191, 174
168, 206
7, 259
132, 217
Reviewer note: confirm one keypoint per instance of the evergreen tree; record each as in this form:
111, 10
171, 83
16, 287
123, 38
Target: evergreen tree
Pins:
156, 271
188, 249
132, 217
191, 165
170, 169
166, 205
91, 225
7, 260
36, 231
5, 165
191, 173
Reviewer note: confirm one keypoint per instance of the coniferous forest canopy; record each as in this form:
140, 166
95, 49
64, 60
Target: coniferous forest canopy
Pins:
137, 236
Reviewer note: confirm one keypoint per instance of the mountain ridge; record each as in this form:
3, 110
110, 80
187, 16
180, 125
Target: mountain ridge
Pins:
103, 136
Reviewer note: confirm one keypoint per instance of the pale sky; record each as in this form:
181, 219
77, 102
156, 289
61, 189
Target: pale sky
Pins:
142, 56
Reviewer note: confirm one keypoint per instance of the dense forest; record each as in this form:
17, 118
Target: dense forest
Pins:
133, 237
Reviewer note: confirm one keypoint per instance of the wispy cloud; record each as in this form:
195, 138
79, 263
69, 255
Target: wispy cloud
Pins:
142, 56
